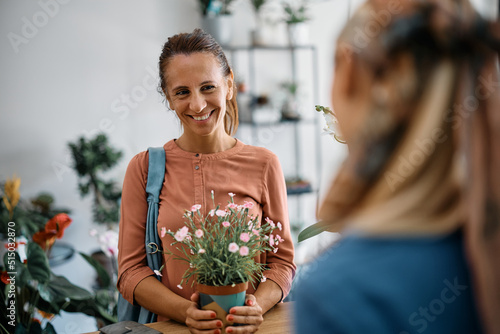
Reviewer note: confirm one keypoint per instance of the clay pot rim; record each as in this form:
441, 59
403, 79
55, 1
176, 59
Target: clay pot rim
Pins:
221, 290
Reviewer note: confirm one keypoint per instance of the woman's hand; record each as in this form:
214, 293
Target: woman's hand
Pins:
249, 315
202, 321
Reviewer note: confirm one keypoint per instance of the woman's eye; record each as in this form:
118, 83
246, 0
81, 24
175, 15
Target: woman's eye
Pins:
182, 92
208, 87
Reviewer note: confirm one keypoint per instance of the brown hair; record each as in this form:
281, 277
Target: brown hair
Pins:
199, 41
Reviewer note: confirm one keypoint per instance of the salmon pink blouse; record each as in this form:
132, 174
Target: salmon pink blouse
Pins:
252, 173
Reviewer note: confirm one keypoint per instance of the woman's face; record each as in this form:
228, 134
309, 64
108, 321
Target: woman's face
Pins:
197, 90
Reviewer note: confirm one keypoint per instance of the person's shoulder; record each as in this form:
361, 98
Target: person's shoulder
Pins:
260, 152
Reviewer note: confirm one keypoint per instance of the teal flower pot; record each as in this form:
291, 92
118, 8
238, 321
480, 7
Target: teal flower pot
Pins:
220, 299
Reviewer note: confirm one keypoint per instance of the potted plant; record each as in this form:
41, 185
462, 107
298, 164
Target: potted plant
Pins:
220, 248
91, 158
32, 295
258, 33
296, 19
291, 106
217, 19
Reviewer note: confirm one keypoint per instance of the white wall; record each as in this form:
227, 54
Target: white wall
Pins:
67, 67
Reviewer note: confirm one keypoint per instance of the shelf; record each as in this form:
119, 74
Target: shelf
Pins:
299, 191
269, 47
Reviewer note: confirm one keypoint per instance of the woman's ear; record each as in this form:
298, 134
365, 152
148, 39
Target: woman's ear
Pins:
169, 100
230, 85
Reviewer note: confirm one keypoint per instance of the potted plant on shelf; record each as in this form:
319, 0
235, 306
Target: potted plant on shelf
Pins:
258, 32
217, 19
220, 247
296, 19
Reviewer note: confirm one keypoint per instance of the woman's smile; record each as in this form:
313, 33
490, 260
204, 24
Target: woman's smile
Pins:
202, 117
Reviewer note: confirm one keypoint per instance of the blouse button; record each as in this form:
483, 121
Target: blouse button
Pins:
197, 155
196, 167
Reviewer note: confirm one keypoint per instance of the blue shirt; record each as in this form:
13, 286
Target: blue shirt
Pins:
398, 285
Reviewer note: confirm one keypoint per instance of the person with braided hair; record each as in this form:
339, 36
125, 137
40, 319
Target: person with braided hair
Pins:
417, 200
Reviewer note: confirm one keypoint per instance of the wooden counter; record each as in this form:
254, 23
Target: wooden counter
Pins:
277, 321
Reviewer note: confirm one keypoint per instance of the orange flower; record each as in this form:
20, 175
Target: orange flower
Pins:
44, 239
58, 224
46, 315
5, 278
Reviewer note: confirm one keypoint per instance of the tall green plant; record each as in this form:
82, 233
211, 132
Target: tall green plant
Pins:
90, 158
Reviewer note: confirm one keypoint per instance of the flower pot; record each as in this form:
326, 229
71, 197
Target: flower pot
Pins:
220, 299
219, 27
298, 34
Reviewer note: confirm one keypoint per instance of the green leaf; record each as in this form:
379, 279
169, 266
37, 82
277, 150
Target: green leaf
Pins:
49, 329
101, 272
59, 289
312, 231
38, 264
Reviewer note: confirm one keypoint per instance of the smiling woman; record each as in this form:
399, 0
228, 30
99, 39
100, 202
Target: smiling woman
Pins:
204, 161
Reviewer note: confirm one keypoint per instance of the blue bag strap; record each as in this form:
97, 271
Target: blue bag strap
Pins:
156, 175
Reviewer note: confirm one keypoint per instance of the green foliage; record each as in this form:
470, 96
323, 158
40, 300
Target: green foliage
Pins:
37, 288
90, 158
295, 14
257, 4
212, 262
30, 216
312, 231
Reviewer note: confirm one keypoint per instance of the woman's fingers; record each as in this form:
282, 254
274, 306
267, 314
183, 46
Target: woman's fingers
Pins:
249, 315
202, 321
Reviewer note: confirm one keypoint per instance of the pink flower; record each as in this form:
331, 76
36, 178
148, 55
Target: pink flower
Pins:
280, 226
201, 251
181, 234
248, 205
220, 213
270, 222
233, 247
244, 251
232, 206
198, 233
226, 224
263, 279
275, 250
256, 232
232, 194
245, 237
158, 273
163, 232
179, 286
196, 207
271, 240
280, 239
212, 213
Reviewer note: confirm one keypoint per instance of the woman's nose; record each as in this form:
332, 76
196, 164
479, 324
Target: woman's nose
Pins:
197, 103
